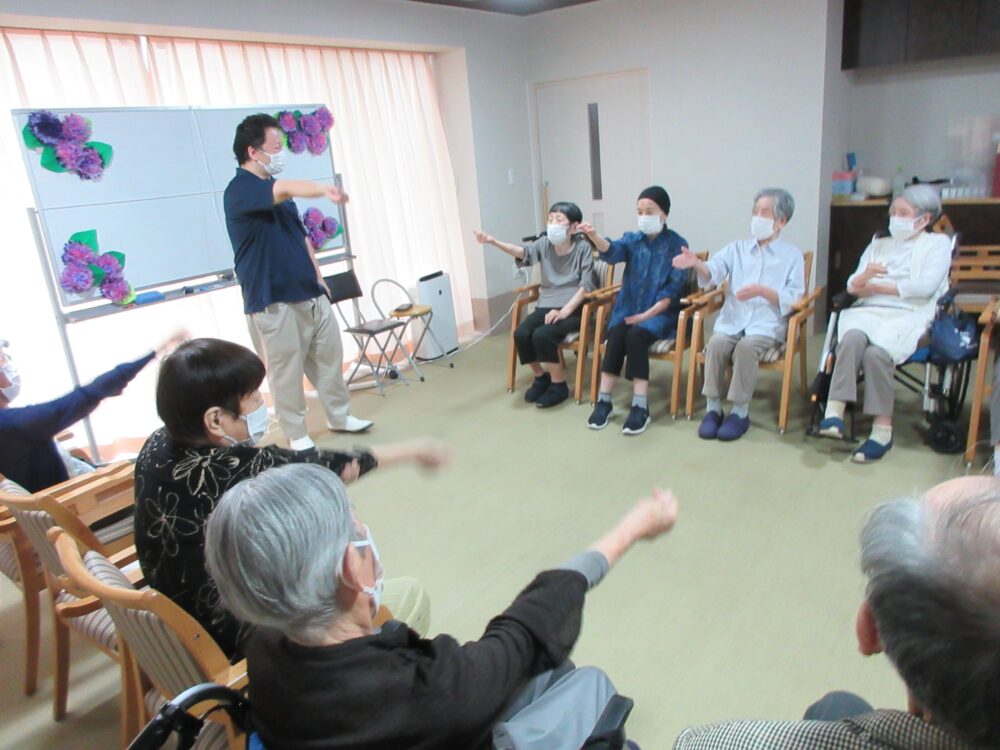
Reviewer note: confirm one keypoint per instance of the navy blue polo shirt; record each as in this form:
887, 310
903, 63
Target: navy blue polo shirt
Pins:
272, 259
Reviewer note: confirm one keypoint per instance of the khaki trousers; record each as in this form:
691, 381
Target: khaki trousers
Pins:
296, 339
744, 352
854, 353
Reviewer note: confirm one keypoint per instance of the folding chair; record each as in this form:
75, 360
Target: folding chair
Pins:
407, 312
344, 286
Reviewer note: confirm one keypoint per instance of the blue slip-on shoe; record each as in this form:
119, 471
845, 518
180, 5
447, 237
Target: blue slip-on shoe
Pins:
537, 388
709, 426
637, 420
733, 428
603, 411
870, 452
832, 427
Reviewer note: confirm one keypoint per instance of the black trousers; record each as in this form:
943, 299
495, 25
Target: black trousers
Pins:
538, 342
629, 346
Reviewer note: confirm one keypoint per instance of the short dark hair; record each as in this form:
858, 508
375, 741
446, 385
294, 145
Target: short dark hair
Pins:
252, 132
570, 210
200, 374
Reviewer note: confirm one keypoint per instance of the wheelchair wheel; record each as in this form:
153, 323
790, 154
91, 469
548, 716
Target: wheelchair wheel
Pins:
949, 391
943, 436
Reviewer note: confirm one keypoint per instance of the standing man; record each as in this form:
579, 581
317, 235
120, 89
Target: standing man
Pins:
285, 299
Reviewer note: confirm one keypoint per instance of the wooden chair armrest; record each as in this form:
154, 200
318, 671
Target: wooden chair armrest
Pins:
715, 294
235, 676
807, 300
63, 436
83, 482
530, 290
606, 293
988, 315
84, 606
124, 557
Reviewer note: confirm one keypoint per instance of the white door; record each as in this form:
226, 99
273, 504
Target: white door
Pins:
593, 146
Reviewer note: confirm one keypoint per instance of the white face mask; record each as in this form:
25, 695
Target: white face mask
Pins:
901, 228
557, 233
374, 592
11, 391
650, 224
761, 228
256, 426
277, 163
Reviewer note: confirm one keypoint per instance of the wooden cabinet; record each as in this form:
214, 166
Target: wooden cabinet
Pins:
888, 32
852, 225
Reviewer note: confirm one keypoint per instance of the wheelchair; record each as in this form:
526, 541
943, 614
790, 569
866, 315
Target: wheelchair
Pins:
174, 718
941, 382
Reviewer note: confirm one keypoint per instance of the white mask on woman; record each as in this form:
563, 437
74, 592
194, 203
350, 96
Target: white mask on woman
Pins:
901, 228
256, 427
11, 391
557, 233
650, 225
374, 592
761, 227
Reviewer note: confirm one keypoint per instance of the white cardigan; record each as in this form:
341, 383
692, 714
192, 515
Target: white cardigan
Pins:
919, 269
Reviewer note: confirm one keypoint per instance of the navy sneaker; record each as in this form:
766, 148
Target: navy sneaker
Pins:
832, 427
733, 427
603, 411
538, 386
709, 426
554, 395
637, 420
870, 452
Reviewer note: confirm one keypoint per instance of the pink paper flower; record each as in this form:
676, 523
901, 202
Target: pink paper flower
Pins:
69, 154
297, 142
287, 121
116, 290
310, 124
312, 218
75, 128
90, 166
330, 226
317, 143
325, 118
76, 278
317, 238
110, 265
77, 252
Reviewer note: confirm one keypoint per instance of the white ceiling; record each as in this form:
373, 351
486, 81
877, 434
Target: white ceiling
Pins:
513, 7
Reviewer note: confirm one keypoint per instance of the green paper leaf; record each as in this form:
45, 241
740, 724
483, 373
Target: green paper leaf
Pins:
103, 149
29, 138
88, 237
49, 160
340, 230
98, 272
120, 257
298, 114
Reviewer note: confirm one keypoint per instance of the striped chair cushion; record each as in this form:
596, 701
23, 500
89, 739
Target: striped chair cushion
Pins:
663, 346
773, 354
97, 626
8, 556
116, 530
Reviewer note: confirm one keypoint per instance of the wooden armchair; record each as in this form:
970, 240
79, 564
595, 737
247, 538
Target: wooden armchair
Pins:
780, 358
76, 505
578, 342
162, 643
664, 350
983, 386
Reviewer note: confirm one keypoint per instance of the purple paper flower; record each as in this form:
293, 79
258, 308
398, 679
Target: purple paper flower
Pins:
77, 252
69, 154
77, 278
45, 126
287, 121
310, 124
312, 218
325, 118
317, 143
75, 128
330, 226
116, 290
297, 142
110, 265
317, 238
90, 166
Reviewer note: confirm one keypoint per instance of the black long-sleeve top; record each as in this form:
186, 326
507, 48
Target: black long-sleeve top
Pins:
28, 454
396, 691
176, 489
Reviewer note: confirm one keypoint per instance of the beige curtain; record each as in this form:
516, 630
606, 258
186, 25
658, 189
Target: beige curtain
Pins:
388, 142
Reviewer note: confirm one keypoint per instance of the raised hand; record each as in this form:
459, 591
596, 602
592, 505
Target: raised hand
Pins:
652, 516
685, 259
483, 238
335, 195
175, 339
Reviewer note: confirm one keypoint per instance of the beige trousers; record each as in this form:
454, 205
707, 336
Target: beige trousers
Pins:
296, 339
744, 352
855, 352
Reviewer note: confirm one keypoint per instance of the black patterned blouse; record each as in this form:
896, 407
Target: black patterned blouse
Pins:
176, 489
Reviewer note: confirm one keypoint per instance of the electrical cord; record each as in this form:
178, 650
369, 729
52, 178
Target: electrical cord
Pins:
522, 273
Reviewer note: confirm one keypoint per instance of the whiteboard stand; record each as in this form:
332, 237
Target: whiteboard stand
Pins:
49, 273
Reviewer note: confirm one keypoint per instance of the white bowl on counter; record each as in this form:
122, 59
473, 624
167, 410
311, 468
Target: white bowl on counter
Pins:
873, 186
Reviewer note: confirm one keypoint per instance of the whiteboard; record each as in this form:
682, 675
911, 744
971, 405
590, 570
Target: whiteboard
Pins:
159, 202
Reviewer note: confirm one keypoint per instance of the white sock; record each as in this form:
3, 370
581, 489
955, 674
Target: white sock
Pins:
835, 408
996, 460
881, 434
714, 404
741, 410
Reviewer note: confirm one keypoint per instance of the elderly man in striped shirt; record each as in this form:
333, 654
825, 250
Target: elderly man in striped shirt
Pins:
766, 277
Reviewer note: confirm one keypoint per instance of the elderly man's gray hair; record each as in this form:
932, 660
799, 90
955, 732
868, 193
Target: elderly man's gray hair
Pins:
924, 199
784, 203
934, 590
275, 546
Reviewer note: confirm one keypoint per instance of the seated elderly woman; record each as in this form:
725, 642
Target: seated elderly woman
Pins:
291, 558
898, 282
208, 397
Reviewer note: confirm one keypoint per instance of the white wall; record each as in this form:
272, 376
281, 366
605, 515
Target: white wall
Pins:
489, 92
929, 119
737, 99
